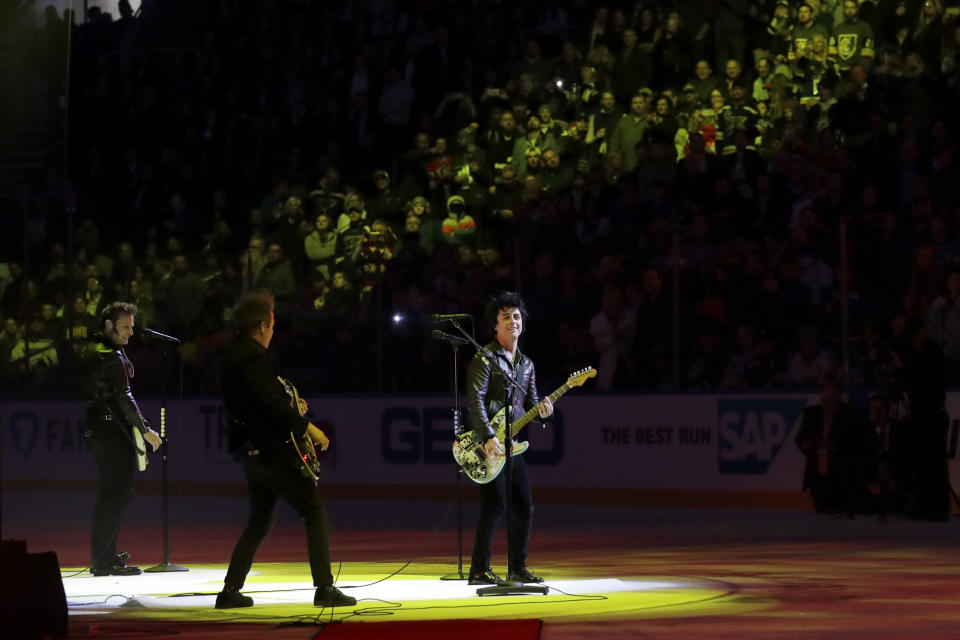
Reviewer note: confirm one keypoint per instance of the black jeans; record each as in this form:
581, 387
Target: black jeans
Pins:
271, 477
492, 508
116, 462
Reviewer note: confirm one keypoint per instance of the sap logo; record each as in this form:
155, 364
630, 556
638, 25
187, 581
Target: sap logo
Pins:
753, 430
409, 435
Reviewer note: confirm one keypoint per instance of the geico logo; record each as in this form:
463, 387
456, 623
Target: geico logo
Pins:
413, 434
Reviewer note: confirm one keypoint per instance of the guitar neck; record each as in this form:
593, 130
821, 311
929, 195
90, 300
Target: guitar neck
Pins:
523, 420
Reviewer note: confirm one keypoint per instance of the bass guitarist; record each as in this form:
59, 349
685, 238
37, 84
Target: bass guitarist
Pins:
262, 419
505, 313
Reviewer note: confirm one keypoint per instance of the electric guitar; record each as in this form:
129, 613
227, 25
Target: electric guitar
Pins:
468, 451
140, 447
307, 461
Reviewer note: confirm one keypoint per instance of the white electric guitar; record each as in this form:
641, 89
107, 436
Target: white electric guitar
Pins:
468, 452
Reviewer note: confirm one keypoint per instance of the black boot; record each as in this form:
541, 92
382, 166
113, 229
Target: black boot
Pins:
115, 566
330, 596
523, 575
487, 576
231, 598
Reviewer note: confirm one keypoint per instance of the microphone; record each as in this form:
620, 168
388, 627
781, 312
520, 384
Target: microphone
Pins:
446, 337
444, 317
156, 335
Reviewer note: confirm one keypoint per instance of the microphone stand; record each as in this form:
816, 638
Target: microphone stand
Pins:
166, 566
505, 587
455, 343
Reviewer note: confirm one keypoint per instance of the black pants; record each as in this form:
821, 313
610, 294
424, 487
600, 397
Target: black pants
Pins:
116, 462
839, 490
932, 473
491, 510
271, 477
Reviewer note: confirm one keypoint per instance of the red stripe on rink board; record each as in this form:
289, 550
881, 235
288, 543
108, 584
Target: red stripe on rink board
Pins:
406, 493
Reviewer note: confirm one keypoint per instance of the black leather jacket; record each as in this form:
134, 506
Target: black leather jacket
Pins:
259, 409
485, 388
105, 385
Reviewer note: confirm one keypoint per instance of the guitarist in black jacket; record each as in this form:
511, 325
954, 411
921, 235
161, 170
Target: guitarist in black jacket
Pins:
262, 418
112, 422
485, 397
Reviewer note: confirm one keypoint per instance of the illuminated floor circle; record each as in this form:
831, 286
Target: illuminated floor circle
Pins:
283, 591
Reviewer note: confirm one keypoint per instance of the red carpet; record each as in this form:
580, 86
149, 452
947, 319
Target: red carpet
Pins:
437, 630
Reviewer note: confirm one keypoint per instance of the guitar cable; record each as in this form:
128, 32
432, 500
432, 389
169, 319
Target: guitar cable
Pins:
423, 546
406, 564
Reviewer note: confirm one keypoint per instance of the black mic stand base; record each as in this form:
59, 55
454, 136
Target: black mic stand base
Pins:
165, 567
513, 588
454, 576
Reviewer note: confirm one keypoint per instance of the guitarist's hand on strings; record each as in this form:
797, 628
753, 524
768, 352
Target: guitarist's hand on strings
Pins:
319, 437
545, 408
492, 448
153, 438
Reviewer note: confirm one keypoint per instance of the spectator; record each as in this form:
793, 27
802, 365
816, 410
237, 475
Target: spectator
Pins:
943, 324
831, 439
851, 42
94, 295
629, 132
352, 202
34, 354
146, 307
738, 114
803, 33
671, 53
252, 260
342, 297
887, 457
288, 231
604, 122
704, 81
533, 64
612, 330
376, 251
632, 69
385, 202
556, 177
277, 278
180, 296
810, 365
328, 197
923, 380
8, 339
53, 328
764, 80
320, 247
749, 365
458, 227
81, 323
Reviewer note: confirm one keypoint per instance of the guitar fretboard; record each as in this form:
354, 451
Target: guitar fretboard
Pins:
523, 420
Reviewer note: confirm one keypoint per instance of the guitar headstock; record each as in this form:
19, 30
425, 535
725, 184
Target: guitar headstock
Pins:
577, 378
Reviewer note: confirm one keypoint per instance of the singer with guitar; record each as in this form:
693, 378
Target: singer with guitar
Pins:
268, 433
115, 431
505, 313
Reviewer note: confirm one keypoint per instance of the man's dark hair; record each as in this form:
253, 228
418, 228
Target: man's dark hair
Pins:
251, 309
114, 310
503, 300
